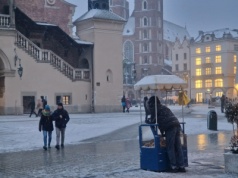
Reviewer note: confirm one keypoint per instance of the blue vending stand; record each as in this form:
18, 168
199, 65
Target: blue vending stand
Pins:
153, 153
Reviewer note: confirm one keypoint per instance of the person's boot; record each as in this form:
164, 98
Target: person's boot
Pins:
44, 147
62, 145
57, 147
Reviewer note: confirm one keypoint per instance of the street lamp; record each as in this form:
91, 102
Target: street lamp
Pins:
20, 69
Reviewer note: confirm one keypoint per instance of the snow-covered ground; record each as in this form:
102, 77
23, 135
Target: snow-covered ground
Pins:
21, 132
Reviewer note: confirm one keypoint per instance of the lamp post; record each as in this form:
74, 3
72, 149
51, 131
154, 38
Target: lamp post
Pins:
20, 68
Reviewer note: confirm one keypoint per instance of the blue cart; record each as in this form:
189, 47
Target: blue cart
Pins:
153, 153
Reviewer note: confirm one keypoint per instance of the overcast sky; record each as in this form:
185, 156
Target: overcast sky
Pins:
197, 15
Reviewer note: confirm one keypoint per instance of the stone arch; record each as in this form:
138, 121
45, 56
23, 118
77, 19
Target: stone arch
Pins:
109, 76
214, 90
4, 62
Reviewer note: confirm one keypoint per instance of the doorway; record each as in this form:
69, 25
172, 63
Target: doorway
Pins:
26, 102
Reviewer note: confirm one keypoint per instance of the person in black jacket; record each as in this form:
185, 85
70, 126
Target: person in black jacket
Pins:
32, 105
61, 118
170, 127
147, 112
46, 125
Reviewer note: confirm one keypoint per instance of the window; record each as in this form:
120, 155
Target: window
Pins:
129, 51
198, 50
234, 69
176, 57
198, 61
208, 83
208, 60
234, 58
64, 98
208, 49
218, 83
218, 59
198, 84
145, 34
145, 47
218, 47
218, 70
185, 55
145, 60
177, 67
144, 5
185, 67
219, 93
109, 76
208, 71
145, 21
198, 72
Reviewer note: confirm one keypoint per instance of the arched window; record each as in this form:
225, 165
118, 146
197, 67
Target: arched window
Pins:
83, 64
109, 76
128, 51
145, 60
145, 47
145, 21
145, 34
144, 5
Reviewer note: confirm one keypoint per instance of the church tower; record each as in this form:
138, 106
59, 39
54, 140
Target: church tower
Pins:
148, 42
98, 4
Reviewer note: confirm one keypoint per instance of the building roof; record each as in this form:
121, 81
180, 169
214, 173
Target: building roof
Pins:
173, 31
129, 28
218, 34
99, 14
66, 1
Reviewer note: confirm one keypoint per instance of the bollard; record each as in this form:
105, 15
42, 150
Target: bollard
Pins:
212, 120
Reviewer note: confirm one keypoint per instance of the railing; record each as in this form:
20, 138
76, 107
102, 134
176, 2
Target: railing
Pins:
47, 56
4, 20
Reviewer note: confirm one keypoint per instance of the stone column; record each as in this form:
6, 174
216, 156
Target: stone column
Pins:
12, 13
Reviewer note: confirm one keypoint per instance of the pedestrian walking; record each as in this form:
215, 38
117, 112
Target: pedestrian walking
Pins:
223, 102
128, 105
39, 106
32, 106
43, 100
169, 127
46, 125
123, 103
147, 112
61, 118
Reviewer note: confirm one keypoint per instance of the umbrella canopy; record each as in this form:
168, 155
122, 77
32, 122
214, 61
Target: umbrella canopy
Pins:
160, 82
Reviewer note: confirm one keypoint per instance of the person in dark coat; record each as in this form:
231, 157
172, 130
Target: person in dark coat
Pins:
123, 103
147, 112
61, 118
170, 127
43, 100
46, 125
32, 105
223, 102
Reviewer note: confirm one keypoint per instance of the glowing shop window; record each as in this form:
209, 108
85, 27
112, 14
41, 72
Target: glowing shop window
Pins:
198, 84
219, 93
234, 69
208, 60
208, 83
198, 61
208, 71
234, 58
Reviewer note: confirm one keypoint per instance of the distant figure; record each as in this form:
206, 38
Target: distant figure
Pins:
223, 100
32, 105
46, 124
147, 112
128, 105
39, 106
44, 102
123, 103
61, 118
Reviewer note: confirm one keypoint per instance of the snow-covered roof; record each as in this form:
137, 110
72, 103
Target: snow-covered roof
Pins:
83, 42
173, 31
160, 82
218, 34
99, 14
129, 28
44, 23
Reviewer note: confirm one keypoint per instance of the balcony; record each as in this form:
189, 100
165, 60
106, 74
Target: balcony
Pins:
4, 21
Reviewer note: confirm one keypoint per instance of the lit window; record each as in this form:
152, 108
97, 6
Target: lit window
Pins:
198, 61
218, 47
198, 84
208, 71
219, 93
198, 72
234, 69
198, 50
218, 70
218, 59
208, 49
218, 83
65, 99
208, 83
208, 60
234, 58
